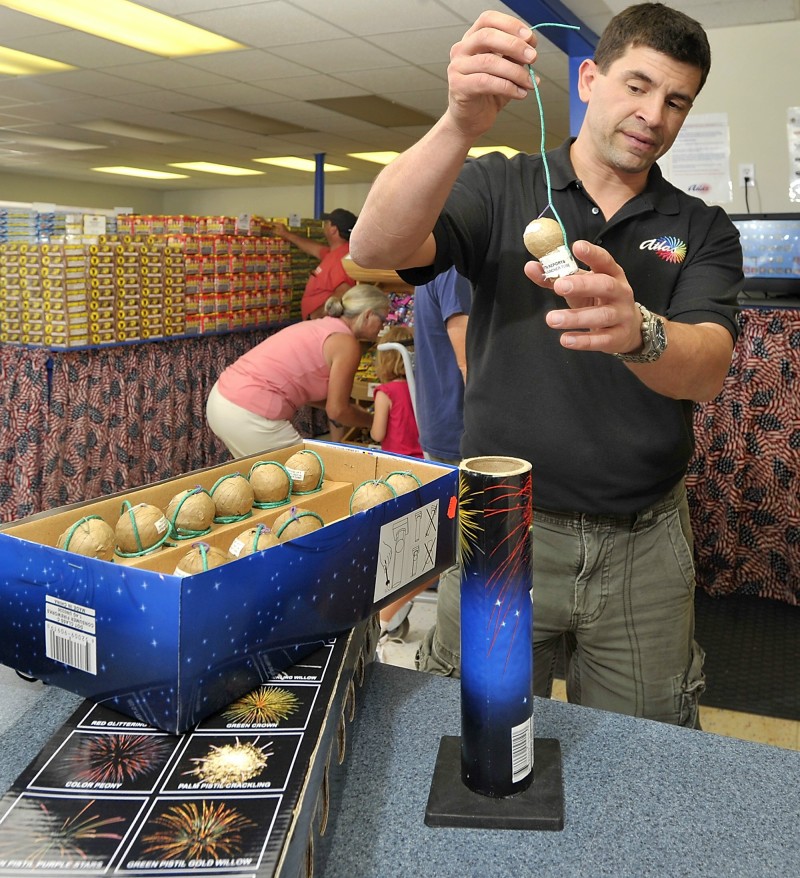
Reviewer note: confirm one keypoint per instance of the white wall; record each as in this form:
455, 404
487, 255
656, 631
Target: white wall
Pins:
277, 201
53, 190
755, 78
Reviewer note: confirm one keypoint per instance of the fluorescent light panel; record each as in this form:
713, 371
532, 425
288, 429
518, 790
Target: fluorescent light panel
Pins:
14, 63
128, 23
380, 158
295, 163
213, 168
141, 172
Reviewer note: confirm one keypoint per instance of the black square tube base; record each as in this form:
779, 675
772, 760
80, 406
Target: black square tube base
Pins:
541, 806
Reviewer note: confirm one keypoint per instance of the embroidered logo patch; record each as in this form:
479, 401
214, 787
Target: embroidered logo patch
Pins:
667, 248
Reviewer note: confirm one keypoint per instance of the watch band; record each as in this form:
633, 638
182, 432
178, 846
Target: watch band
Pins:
654, 339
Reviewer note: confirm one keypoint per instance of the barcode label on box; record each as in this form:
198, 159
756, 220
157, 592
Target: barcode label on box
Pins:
522, 750
70, 634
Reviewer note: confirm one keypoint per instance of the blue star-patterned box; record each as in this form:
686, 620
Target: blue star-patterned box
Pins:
170, 650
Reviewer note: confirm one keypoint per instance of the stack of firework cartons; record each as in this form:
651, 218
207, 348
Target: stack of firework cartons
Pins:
75, 295
303, 264
235, 275
149, 280
234, 282
18, 224
42, 290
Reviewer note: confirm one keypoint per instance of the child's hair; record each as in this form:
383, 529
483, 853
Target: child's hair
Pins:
390, 365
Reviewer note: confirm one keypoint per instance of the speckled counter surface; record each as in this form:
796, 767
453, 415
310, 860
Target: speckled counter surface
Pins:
641, 798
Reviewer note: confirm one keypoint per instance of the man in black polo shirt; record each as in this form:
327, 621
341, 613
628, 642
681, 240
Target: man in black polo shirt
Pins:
590, 376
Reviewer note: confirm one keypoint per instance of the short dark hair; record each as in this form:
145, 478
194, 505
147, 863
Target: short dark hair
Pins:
657, 27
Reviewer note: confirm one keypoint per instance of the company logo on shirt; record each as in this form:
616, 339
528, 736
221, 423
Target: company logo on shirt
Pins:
666, 247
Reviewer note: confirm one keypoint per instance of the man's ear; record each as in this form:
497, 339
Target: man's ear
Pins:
587, 73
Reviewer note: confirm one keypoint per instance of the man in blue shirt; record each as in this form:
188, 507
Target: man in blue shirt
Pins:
441, 310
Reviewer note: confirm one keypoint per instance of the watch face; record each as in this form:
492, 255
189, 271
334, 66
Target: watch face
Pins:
659, 336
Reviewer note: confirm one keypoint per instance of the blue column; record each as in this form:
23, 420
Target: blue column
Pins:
577, 44
319, 185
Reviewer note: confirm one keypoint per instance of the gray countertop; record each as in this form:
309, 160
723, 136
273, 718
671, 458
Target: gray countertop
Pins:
641, 798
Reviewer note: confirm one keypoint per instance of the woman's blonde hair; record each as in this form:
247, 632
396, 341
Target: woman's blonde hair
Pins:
357, 300
390, 364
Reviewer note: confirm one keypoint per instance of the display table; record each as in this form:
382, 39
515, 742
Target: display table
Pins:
744, 480
641, 798
79, 424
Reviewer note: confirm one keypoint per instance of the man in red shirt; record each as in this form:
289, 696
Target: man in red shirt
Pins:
329, 277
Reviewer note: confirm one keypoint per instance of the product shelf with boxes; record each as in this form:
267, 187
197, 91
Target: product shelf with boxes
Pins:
156, 277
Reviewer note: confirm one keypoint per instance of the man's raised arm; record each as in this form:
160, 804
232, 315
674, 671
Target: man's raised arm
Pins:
488, 68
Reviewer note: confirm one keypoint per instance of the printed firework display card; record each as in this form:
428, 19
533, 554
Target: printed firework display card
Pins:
109, 795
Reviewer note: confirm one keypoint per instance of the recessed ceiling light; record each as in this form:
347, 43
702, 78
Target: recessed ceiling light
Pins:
128, 23
14, 63
297, 164
380, 158
141, 172
478, 151
213, 168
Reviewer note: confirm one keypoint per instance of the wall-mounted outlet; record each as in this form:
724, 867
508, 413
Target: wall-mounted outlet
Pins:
748, 171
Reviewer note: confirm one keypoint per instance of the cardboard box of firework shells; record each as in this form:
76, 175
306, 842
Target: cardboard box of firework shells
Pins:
146, 635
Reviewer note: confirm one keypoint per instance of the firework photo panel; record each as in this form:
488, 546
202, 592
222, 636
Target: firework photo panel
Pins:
239, 795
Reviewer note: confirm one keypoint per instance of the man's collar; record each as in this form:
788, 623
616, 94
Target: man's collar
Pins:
658, 193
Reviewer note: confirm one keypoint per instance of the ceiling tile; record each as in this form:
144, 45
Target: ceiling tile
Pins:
368, 17
331, 56
420, 47
313, 87
264, 25
248, 65
374, 109
392, 79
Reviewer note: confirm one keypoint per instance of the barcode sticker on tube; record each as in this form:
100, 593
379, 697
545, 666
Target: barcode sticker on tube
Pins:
522, 750
70, 634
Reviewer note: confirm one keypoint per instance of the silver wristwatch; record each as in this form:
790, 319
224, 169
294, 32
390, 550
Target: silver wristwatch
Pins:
654, 339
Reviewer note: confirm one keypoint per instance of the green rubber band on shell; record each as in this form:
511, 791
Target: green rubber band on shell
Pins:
158, 545
295, 517
182, 533
271, 504
78, 523
203, 549
370, 482
257, 531
321, 473
228, 519
403, 472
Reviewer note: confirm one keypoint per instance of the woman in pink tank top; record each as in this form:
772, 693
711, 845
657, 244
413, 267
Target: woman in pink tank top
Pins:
310, 363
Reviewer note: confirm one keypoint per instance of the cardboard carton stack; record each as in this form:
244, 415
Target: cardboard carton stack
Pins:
235, 275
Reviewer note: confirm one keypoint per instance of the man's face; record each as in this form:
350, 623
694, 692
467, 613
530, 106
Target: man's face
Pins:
635, 110
329, 230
